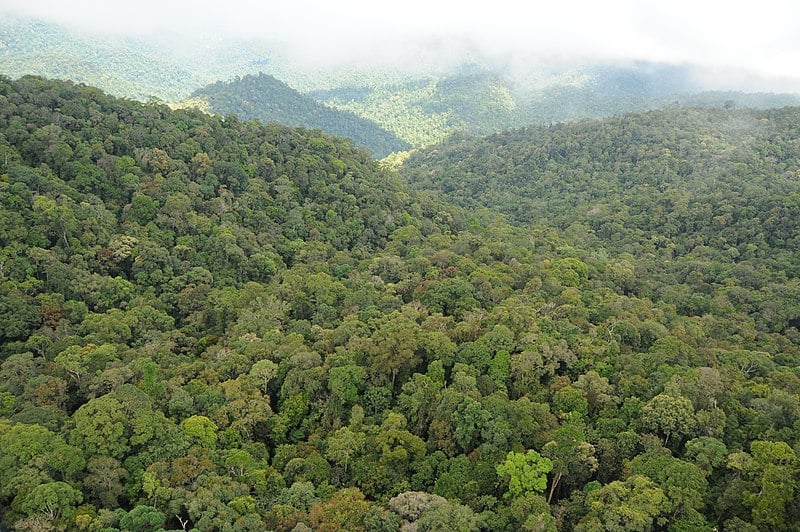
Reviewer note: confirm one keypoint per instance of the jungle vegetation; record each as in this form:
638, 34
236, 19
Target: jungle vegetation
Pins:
215, 324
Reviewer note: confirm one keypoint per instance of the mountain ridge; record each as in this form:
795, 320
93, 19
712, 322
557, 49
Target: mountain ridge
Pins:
268, 99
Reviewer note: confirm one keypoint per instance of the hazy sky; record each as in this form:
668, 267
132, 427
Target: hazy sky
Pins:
763, 36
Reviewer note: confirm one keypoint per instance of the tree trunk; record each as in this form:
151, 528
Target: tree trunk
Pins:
556, 480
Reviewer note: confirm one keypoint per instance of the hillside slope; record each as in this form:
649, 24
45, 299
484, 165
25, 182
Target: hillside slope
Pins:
29, 47
166, 66
676, 179
265, 98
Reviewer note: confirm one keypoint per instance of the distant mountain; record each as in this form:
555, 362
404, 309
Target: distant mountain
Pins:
481, 101
33, 47
598, 91
162, 66
424, 111
265, 98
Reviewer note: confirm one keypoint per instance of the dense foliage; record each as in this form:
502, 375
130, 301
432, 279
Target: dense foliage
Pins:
221, 325
267, 99
668, 183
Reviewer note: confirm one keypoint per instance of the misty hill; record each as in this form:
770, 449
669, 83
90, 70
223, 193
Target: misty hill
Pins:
419, 107
265, 98
423, 111
39, 48
480, 100
598, 91
165, 65
162, 66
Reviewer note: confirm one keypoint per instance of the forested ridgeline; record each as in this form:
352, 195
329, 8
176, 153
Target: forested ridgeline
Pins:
119, 67
669, 183
162, 65
265, 98
383, 108
221, 325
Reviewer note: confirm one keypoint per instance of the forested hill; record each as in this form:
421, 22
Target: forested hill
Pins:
165, 66
265, 98
673, 179
209, 324
37, 47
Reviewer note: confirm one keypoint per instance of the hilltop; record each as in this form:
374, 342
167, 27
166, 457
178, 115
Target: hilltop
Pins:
267, 99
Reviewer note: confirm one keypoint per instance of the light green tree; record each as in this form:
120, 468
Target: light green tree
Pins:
527, 472
669, 415
630, 505
202, 429
774, 470
264, 371
343, 445
51, 499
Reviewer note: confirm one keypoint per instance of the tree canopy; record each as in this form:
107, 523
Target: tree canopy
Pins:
216, 324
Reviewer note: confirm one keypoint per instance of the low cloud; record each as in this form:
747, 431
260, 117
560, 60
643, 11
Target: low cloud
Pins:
762, 38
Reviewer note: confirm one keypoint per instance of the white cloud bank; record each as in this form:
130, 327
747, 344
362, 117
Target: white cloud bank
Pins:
760, 37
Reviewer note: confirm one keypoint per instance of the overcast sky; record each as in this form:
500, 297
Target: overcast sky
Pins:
763, 36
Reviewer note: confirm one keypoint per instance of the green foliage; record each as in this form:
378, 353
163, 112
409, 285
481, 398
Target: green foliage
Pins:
706, 452
572, 457
773, 471
143, 518
201, 429
51, 500
448, 516
100, 427
246, 98
18, 314
668, 415
231, 326
527, 472
343, 445
683, 484
664, 182
630, 505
